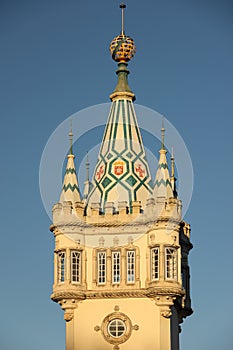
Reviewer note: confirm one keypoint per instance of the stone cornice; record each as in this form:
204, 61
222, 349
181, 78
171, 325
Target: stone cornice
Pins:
150, 292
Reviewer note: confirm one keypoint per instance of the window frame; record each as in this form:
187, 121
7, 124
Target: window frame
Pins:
100, 267
118, 267
131, 268
76, 267
61, 266
171, 272
155, 264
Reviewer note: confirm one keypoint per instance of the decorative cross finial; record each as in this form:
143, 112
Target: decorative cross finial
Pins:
71, 138
163, 132
122, 6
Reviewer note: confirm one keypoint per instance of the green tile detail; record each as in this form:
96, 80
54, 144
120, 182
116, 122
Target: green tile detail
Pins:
129, 155
163, 165
162, 182
109, 156
131, 180
71, 171
106, 182
71, 187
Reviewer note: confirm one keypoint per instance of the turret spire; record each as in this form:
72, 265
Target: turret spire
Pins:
163, 187
70, 188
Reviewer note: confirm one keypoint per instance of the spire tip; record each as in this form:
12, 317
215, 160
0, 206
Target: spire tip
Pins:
71, 138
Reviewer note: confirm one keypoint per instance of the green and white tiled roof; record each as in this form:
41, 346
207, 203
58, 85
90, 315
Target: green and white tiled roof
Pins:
163, 187
70, 188
122, 172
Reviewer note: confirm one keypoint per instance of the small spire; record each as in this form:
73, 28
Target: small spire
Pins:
122, 6
87, 168
173, 179
87, 184
71, 137
163, 132
173, 163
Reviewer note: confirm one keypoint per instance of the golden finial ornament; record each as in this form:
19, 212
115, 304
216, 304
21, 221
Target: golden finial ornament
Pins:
122, 47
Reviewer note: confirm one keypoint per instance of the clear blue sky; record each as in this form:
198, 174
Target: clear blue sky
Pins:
54, 62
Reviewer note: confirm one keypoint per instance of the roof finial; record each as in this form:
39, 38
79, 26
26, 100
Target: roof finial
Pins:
163, 132
173, 163
71, 137
122, 6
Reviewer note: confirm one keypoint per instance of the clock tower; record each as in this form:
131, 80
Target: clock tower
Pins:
121, 271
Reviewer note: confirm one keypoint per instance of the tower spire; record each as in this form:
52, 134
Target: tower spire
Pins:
122, 173
122, 49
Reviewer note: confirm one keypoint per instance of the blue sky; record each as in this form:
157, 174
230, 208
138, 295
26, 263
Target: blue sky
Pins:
54, 62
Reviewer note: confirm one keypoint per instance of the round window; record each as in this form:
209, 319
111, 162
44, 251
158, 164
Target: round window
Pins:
116, 328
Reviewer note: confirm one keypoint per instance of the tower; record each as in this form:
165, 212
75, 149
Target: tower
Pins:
121, 270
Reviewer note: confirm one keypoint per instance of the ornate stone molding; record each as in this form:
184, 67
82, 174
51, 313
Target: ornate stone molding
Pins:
109, 321
166, 313
68, 315
58, 296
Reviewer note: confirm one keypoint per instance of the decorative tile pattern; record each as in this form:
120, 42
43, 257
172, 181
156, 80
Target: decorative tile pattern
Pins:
122, 172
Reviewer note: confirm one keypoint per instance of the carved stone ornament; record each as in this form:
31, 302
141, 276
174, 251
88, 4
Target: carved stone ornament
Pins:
68, 316
116, 328
166, 313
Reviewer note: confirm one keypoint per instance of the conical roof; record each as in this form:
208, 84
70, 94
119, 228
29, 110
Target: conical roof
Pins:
70, 188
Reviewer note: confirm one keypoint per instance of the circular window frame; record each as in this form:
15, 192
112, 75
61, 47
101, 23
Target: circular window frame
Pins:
106, 332
120, 323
